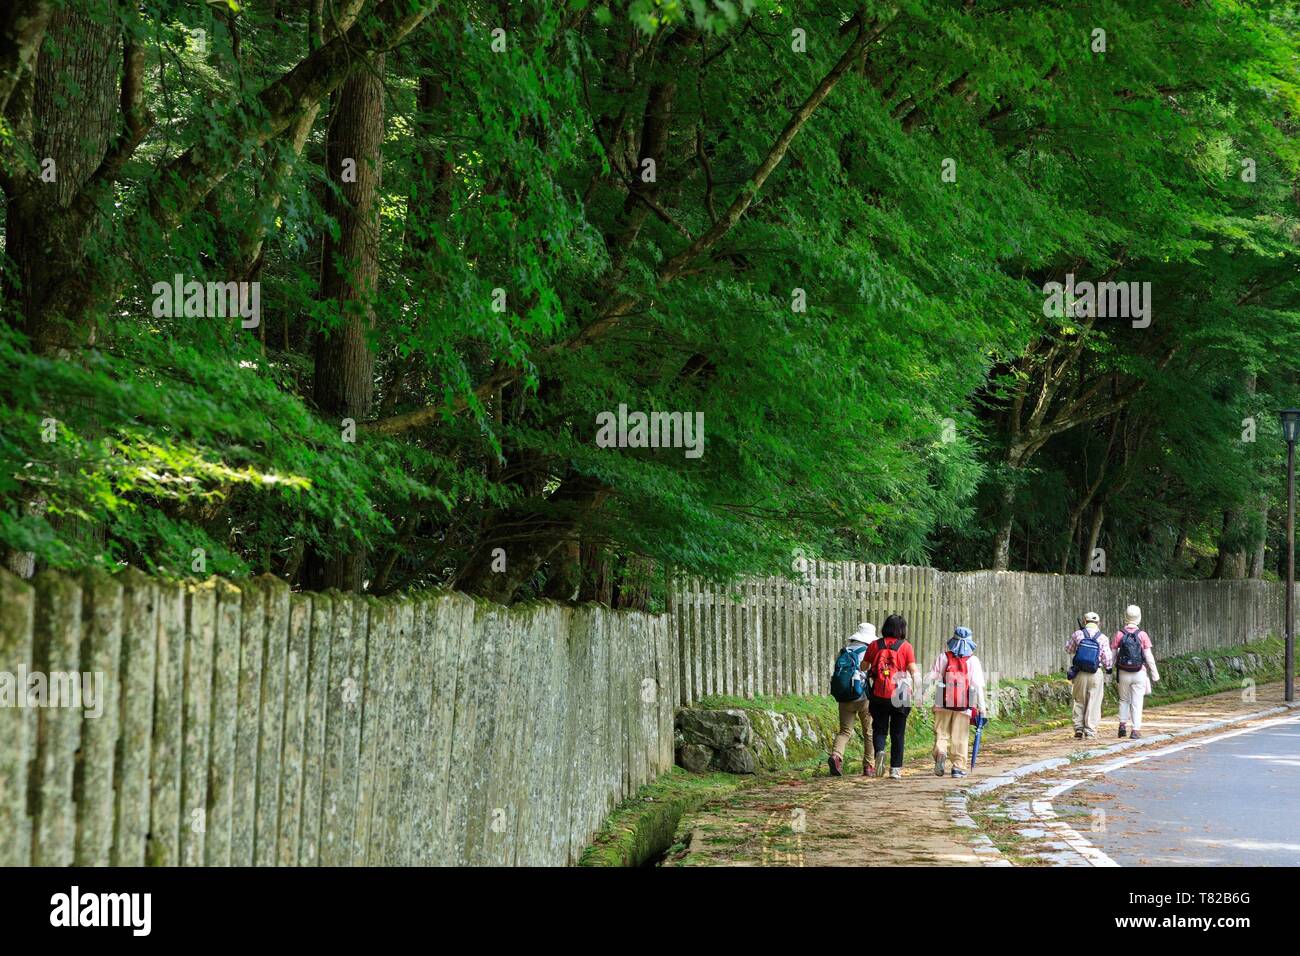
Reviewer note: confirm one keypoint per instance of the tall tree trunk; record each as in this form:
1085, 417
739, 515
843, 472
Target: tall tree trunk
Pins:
597, 574
73, 107
252, 236
180, 184
344, 385
1089, 493
1230, 563
634, 583
69, 105
1094, 535
428, 204
1006, 521
1261, 541
565, 579
1071, 544
1180, 546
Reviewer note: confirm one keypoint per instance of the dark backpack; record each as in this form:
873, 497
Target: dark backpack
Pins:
956, 683
848, 683
1087, 656
882, 671
1130, 656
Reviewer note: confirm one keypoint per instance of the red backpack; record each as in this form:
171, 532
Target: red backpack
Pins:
956, 683
882, 671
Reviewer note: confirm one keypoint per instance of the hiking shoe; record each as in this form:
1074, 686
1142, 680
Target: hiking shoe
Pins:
881, 761
938, 766
836, 763
1123, 731
1136, 735
868, 770
958, 773
1078, 735
895, 773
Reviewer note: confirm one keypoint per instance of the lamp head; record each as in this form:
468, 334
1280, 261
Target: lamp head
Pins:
1290, 424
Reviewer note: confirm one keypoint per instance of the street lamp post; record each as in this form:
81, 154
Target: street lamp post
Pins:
1290, 427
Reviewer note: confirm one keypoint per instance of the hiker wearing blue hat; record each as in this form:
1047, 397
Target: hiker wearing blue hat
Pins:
958, 677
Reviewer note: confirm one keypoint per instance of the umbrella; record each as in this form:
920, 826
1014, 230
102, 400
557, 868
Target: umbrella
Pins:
979, 732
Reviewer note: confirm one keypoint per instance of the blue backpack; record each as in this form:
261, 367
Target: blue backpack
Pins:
848, 683
1087, 656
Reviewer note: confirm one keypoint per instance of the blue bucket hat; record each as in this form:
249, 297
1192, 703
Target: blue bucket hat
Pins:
961, 643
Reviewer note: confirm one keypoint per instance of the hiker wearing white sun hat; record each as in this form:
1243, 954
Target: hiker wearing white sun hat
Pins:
1137, 671
855, 710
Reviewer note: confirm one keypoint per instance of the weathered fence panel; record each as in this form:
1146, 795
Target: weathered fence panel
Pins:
103, 647
17, 724
297, 661
248, 704
139, 663
200, 640
225, 715
58, 730
313, 761
270, 739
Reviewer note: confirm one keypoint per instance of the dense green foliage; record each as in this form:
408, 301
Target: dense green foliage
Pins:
856, 308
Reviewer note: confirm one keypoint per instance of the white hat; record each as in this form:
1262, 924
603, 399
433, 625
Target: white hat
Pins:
1091, 618
866, 633
1133, 615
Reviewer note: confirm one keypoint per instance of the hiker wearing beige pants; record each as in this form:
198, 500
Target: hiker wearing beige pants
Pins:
951, 739
1088, 692
855, 711
958, 680
1088, 686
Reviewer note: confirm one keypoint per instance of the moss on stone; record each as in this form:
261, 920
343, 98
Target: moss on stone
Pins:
641, 828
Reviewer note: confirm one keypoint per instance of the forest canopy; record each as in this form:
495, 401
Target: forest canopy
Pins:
559, 298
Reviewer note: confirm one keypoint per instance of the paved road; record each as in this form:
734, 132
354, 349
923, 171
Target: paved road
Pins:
1230, 802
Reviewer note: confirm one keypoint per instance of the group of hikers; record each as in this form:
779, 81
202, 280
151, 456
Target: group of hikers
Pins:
876, 682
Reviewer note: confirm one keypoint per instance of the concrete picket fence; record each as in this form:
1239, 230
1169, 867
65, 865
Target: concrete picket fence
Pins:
248, 725
779, 636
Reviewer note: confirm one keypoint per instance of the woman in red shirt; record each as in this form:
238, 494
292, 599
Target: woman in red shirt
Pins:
894, 676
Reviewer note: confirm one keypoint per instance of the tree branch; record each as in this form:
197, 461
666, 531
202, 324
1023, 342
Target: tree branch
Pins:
623, 305
187, 179
137, 120
185, 182
22, 28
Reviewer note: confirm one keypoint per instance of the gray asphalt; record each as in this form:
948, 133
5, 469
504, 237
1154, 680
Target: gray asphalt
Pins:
1233, 802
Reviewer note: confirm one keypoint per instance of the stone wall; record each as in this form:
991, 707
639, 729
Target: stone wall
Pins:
742, 741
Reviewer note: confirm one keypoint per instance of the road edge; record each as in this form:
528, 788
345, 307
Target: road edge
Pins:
987, 851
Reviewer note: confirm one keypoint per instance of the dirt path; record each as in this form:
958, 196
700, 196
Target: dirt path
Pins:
853, 820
